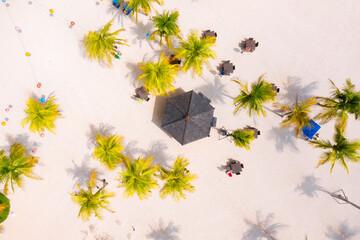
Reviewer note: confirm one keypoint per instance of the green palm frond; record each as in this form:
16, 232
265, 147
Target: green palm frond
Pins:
100, 45
260, 94
16, 166
341, 151
89, 202
40, 115
158, 77
108, 150
195, 52
177, 180
243, 138
4, 207
299, 116
166, 27
145, 5
340, 103
138, 177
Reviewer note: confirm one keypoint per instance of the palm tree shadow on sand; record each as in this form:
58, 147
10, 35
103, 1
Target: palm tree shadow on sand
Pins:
294, 88
309, 186
169, 232
24, 140
102, 129
262, 229
283, 138
341, 232
140, 31
214, 90
81, 173
157, 150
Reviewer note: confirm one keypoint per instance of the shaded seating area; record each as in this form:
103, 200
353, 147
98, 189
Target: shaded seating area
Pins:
209, 33
275, 88
226, 68
256, 131
233, 166
310, 132
249, 45
174, 60
141, 93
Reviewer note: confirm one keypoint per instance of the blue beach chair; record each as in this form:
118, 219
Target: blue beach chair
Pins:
128, 10
311, 130
116, 3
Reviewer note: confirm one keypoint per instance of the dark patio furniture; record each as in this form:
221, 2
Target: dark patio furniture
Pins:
187, 117
227, 68
141, 93
174, 60
256, 132
237, 173
250, 45
236, 167
209, 33
213, 122
275, 88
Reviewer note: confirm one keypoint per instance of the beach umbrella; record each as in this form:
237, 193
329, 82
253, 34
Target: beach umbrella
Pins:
187, 117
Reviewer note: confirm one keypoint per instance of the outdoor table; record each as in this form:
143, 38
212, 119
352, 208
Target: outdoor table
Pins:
228, 68
236, 167
250, 45
209, 33
274, 88
142, 93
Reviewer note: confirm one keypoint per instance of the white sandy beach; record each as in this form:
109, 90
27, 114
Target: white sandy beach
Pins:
301, 45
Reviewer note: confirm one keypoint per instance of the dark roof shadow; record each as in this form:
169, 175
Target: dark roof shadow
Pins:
262, 229
309, 186
293, 88
169, 232
102, 129
81, 173
159, 106
214, 90
341, 232
283, 138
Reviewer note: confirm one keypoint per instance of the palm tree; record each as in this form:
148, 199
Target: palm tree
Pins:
40, 115
242, 138
196, 51
297, 115
108, 150
261, 93
177, 180
158, 77
138, 177
4, 208
90, 202
14, 167
340, 103
341, 151
145, 5
166, 26
100, 45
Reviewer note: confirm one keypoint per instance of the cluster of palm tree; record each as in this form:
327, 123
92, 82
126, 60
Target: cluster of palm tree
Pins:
139, 177
337, 106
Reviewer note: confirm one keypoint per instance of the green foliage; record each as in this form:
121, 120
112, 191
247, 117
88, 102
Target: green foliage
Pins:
341, 151
100, 45
158, 77
108, 150
243, 138
90, 202
299, 114
14, 167
166, 27
340, 104
177, 180
40, 115
145, 5
138, 177
254, 99
4, 207
195, 51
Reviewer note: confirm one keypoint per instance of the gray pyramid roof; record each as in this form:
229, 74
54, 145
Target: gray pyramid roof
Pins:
200, 114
